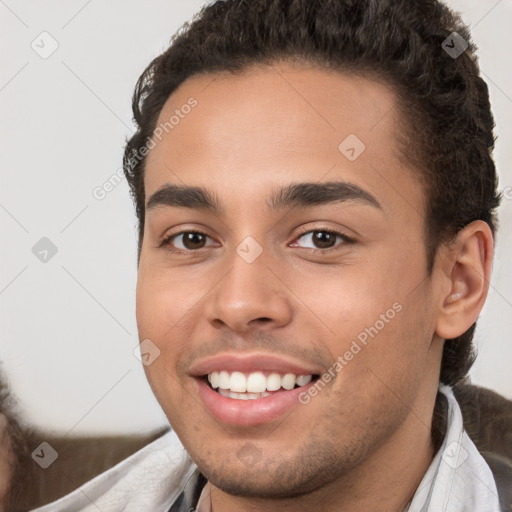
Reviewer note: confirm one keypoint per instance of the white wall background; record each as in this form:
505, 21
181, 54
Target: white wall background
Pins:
68, 325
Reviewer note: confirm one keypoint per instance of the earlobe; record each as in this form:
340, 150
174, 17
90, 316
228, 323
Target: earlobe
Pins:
468, 270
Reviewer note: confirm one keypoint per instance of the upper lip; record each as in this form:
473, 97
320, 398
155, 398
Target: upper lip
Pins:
247, 363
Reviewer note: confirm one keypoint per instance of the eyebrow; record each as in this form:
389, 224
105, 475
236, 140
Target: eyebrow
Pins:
186, 197
311, 194
291, 196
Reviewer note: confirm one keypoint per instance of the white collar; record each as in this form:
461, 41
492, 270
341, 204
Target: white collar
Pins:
458, 479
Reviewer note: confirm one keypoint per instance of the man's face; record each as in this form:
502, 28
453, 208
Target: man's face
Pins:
280, 286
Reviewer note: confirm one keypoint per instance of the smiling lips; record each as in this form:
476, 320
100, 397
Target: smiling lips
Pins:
251, 389
254, 385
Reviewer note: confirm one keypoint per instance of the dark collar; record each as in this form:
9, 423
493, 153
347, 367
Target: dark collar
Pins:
187, 500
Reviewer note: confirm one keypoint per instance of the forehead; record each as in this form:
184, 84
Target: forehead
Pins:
280, 123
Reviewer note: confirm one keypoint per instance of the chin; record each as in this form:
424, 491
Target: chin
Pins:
271, 479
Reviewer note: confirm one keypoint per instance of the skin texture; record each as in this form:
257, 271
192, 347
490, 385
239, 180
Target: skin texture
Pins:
363, 443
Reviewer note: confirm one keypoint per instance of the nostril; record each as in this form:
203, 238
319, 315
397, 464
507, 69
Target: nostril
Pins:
263, 320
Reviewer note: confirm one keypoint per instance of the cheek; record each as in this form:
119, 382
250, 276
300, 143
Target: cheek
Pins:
378, 320
163, 302
164, 311
358, 291
346, 302
395, 346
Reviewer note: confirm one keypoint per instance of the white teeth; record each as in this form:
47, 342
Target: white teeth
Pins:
238, 382
242, 396
214, 379
223, 380
255, 383
288, 381
302, 380
273, 382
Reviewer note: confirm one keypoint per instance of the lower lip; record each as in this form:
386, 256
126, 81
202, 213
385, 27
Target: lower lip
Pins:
249, 412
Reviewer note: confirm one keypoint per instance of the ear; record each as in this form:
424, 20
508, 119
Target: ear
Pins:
466, 266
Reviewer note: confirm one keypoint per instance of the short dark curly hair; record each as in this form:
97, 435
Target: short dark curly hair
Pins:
447, 124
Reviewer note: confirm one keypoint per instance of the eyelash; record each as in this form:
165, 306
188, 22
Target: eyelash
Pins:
166, 241
345, 239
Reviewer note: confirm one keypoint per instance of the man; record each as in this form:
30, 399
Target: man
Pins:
316, 192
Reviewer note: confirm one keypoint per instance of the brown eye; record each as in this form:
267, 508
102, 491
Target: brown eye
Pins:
193, 240
321, 239
187, 241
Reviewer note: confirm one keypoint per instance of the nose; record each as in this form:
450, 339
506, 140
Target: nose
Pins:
249, 296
